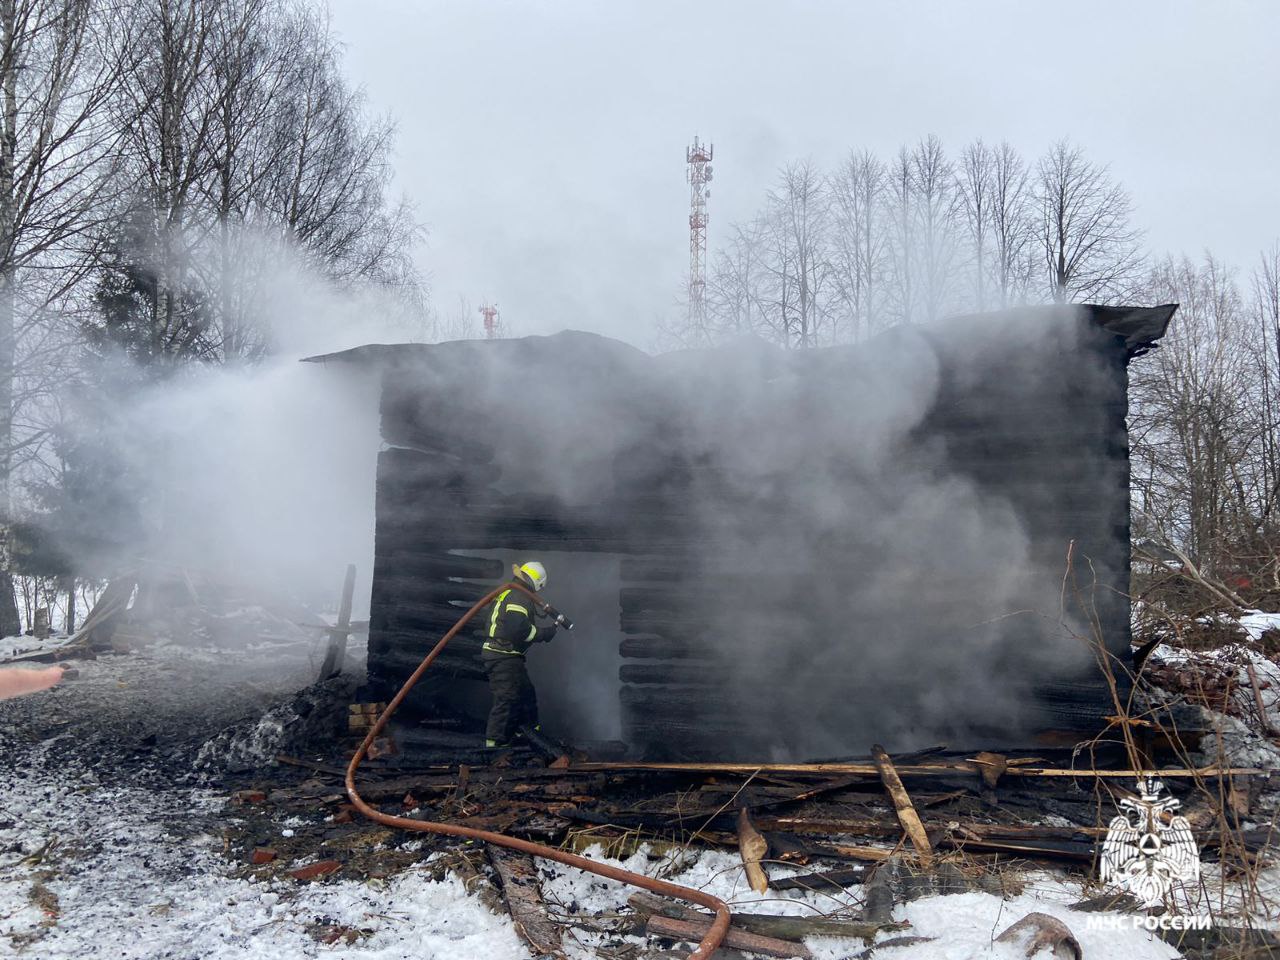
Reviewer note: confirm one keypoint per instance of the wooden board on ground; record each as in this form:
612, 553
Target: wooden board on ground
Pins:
523, 893
902, 803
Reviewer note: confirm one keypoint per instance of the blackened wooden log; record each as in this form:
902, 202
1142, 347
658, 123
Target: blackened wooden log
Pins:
686, 671
420, 562
408, 615
463, 646
784, 928
424, 590
693, 931
396, 534
670, 567
650, 621
402, 469
401, 663
822, 882
667, 648
438, 441
686, 595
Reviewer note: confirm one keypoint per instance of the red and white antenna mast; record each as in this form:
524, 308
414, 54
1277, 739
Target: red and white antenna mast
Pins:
698, 157
490, 313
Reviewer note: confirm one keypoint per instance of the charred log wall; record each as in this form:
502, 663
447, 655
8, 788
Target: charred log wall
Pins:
1044, 427
749, 580
466, 468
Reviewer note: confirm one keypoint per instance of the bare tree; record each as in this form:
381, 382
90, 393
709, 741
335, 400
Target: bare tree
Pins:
59, 62
859, 247
1266, 306
934, 192
1012, 224
169, 111
330, 194
249, 150
251, 55
977, 188
1193, 423
904, 246
1090, 248
735, 295
796, 230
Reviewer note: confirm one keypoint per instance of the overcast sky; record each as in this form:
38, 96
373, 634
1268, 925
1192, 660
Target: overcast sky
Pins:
543, 143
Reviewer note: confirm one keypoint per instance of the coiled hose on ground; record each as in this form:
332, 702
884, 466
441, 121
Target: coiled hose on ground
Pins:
719, 926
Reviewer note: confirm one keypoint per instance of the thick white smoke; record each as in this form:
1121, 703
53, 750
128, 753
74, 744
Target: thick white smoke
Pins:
262, 476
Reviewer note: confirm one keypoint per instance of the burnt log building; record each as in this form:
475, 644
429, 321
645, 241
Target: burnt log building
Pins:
771, 553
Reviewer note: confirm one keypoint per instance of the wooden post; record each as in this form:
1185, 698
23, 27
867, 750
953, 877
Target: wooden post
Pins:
907, 815
337, 651
41, 627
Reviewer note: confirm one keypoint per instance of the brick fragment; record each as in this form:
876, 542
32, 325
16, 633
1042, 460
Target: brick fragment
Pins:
320, 868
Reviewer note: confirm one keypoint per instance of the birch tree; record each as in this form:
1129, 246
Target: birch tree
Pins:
250, 151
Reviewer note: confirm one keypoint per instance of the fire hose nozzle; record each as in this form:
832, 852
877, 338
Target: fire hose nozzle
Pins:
557, 617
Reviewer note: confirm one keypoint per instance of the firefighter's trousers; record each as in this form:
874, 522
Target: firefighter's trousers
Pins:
514, 701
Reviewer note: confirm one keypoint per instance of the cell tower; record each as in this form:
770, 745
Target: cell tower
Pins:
490, 313
698, 157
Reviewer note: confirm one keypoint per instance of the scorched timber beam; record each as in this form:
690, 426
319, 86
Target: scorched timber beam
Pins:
915, 770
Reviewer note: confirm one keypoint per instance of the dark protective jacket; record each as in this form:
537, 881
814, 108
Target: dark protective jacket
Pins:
510, 630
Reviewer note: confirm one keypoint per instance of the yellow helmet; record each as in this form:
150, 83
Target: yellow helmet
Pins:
534, 572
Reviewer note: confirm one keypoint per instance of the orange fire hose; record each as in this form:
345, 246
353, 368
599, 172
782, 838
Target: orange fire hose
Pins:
719, 927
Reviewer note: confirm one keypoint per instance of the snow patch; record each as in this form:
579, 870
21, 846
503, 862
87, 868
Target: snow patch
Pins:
1255, 623
133, 883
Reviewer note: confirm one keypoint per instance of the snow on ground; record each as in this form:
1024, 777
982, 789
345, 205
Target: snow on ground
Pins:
1242, 745
1256, 622
104, 852
962, 925
16, 646
965, 925
137, 874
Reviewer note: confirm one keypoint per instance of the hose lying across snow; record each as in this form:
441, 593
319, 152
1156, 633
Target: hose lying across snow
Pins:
719, 926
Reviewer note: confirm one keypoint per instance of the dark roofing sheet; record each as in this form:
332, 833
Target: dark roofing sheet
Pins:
1139, 328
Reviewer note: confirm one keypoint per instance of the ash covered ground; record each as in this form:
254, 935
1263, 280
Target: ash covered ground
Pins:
147, 713
122, 835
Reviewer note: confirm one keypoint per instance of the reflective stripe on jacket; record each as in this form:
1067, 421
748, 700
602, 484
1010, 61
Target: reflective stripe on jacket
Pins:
511, 629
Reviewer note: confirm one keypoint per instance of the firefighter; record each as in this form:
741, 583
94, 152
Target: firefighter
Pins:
509, 634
